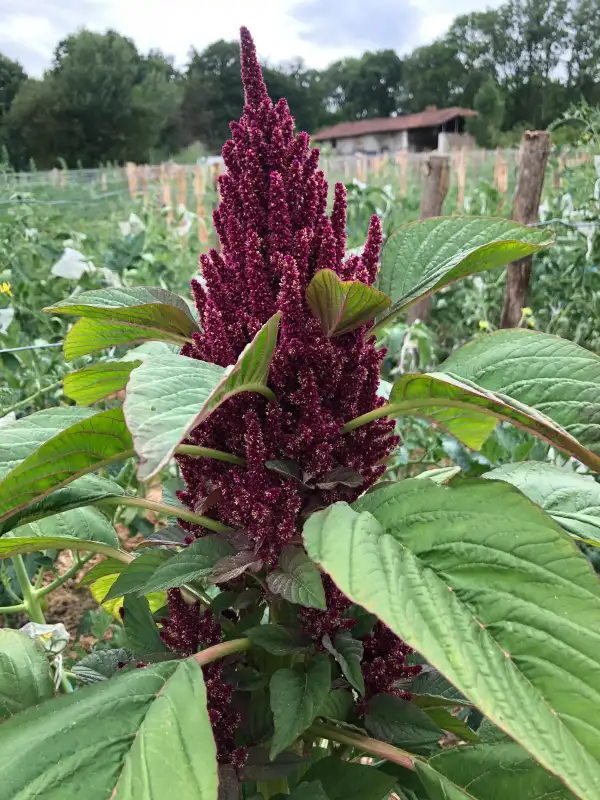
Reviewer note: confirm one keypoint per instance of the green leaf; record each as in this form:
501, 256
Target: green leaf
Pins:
143, 638
401, 723
25, 678
22, 437
105, 662
554, 376
138, 573
88, 444
338, 706
17, 545
422, 257
488, 772
571, 499
431, 688
168, 396
93, 383
297, 579
158, 745
297, 695
519, 631
109, 566
444, 719
342, 306
82, 492
190, 564
277, 639
348, 652
79, 523
309, 791
124, 315
344, 780
455, 404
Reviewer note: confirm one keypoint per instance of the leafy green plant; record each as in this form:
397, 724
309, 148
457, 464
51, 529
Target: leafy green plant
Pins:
304, 625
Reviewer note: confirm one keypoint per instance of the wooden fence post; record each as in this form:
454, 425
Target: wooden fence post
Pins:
432, 199
535, 149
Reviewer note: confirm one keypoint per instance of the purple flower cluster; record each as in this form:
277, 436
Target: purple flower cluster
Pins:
275, 234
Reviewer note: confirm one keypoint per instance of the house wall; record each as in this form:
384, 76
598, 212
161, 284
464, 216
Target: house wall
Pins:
372, 144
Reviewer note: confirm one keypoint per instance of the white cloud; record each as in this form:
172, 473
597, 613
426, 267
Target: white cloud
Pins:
318, 30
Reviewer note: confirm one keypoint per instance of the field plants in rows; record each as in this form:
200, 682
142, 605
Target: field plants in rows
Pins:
303, 625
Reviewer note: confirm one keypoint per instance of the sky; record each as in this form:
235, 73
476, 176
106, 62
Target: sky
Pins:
319, 31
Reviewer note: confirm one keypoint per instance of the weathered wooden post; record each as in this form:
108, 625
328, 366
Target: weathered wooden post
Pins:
535, 149
432, 199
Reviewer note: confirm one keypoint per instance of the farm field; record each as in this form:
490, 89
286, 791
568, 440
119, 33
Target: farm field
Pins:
218, 566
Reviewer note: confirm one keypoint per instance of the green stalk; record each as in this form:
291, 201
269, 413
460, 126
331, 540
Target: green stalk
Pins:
164, 508
30, 399
30, 599
364, 743
208, 452
221, 651
44, 590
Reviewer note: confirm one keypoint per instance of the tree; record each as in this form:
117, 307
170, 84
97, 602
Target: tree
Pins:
433, 75
368, 86
12, 75
489, 104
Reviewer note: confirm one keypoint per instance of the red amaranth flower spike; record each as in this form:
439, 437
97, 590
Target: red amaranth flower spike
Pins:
275, 235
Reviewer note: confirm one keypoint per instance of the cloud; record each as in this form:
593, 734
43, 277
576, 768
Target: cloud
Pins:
351, 25
31, 29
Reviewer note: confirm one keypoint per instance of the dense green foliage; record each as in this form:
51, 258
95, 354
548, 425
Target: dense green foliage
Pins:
520, 65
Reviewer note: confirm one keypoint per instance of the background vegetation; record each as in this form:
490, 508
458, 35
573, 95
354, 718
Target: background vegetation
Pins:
521, 65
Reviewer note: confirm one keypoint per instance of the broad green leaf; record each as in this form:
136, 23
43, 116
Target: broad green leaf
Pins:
309, 791
22, 437
342, 306
82, 492
297, 579
168, 396
143, 638
277, 639
344, 780
348, 652
90, 443
17, 545
158, 745
572, 500
105, 662
297, 696
461, 407
338, 706
124, 315
401, 723
422, 257
554, 376
519, 631
190, 564
78, 523
138, 573
108, 566
431, 688
25, 678
93, 383
101, 586
439, 474
489, 772
444, 719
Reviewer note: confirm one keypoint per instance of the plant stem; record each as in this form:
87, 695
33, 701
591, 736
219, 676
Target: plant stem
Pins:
221, 650
30, 601
208, 452
65, 576
164, 508
30, 399
16, 609
364, 743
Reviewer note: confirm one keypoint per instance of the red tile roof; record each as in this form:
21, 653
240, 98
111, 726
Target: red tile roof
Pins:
424, 119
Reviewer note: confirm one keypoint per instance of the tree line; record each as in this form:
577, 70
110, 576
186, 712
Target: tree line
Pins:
520, 66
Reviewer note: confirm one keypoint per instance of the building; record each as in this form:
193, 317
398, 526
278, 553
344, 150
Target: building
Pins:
433, 129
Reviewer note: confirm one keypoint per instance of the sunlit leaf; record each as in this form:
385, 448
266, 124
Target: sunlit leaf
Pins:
491, 591
423, 256
342, 306
167, 397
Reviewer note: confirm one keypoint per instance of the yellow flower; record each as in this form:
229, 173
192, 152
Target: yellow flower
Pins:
484, 325
5, 289
527, 312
